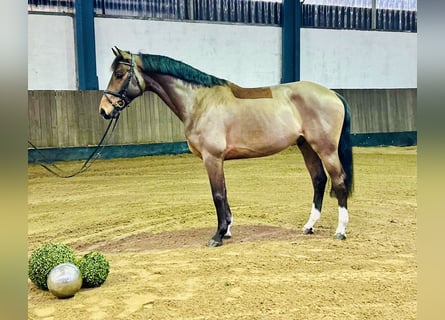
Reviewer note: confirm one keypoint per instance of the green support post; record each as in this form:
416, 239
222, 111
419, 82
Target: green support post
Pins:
291, 25
85, 45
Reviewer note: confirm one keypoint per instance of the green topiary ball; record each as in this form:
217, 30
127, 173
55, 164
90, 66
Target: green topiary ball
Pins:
44, 259
94, 268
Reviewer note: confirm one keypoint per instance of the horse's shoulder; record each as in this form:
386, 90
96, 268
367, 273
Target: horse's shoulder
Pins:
250, 93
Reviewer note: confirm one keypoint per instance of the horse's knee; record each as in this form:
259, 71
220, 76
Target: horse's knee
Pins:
218, 197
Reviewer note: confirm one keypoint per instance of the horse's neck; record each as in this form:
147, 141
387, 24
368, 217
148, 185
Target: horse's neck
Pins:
177, 94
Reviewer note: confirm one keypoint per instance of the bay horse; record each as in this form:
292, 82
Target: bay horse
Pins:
223, 121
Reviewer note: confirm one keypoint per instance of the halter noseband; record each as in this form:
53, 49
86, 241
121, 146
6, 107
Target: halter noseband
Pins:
122, 94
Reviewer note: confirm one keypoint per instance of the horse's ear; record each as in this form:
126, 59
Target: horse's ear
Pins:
116, 51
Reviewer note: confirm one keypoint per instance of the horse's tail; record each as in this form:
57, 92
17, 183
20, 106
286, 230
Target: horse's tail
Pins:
345, 149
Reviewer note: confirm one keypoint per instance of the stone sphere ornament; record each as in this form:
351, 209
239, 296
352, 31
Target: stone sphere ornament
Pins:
64, 280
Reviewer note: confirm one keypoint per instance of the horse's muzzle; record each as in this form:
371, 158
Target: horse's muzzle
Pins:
112, 115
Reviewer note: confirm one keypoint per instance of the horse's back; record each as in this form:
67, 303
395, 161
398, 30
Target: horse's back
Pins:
308, 90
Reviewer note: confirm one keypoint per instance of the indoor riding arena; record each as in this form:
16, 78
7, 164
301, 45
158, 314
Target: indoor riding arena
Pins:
134, 186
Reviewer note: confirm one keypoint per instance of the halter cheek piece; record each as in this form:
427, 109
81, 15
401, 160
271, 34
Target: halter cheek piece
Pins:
123, 93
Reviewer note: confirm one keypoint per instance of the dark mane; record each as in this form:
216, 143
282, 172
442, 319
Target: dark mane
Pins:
178, 69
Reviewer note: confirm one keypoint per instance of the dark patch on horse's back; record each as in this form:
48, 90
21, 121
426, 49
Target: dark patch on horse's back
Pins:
250, 93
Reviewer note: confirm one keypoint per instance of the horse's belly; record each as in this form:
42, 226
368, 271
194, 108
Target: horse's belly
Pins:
243, 153
260, 145
261, 136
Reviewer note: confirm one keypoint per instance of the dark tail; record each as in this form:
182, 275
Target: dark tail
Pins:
345, 149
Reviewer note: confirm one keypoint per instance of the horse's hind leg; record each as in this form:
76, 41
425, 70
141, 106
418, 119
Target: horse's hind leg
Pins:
335, 171
214, 167
319, 179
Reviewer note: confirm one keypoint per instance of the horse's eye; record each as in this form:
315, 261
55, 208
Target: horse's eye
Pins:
119, 76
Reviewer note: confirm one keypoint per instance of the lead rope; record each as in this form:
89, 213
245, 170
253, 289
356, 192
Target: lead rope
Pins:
94, 155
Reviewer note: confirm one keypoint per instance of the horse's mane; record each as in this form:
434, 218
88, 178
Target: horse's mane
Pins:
178, 69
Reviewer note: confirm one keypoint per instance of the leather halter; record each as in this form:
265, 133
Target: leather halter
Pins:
123, 93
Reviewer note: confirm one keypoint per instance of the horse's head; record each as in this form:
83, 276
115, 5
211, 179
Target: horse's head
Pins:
126, 84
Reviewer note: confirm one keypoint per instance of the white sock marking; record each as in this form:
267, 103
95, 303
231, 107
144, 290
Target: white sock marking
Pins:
313, 218
343, 219
229, 233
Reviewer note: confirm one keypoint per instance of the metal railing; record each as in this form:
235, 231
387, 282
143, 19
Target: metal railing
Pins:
356, 15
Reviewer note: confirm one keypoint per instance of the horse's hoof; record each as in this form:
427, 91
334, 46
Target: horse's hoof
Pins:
227, 236
308, 231
212, 243
340, 236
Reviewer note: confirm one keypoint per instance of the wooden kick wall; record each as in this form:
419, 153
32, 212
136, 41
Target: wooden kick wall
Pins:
382, 110
71, 118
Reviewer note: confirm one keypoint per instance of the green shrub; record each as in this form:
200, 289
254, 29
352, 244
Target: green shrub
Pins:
94, 268
44, 259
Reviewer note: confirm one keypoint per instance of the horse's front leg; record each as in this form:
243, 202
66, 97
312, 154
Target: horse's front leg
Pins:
214, 167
